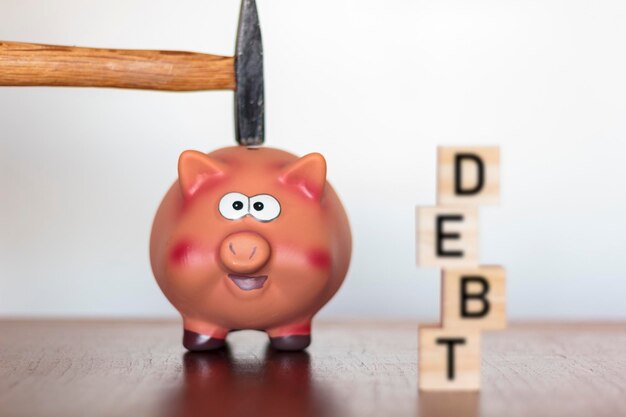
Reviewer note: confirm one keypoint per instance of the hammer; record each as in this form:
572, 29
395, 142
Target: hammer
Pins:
26, 64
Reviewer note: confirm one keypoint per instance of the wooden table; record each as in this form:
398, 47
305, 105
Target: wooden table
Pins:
108, 368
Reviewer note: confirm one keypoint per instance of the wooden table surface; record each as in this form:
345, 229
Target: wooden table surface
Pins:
124, 368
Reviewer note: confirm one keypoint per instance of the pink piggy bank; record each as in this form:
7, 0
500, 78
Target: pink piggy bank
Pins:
250, 238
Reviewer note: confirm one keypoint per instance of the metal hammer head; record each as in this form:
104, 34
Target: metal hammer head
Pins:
249, 95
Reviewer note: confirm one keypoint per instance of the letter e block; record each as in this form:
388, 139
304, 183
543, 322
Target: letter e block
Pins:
447, 237
474, 298
448, 359
468, 176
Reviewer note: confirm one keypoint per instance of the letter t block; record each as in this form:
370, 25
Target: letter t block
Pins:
449, 359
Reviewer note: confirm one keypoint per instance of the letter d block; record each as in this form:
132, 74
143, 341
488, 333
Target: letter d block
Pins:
474, 298
468, 176
447, 237
449, 359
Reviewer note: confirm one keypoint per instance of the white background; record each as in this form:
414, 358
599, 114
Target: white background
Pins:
375, 86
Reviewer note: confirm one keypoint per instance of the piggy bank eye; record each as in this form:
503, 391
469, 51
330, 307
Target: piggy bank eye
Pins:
264, 207
234, 206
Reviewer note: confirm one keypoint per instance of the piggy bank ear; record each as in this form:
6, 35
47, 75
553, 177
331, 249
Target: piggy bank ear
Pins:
197, 170
307, 174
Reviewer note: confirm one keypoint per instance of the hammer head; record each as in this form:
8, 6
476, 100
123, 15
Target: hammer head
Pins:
249, 99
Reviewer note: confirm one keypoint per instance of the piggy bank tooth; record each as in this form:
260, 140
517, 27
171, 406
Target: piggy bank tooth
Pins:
275, 244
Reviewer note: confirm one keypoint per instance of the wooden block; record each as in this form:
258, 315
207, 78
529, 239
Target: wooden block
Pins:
474, 298
448, 359
447, 237
449, 404
468, 176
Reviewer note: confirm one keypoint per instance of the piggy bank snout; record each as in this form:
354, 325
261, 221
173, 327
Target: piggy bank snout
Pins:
244, 252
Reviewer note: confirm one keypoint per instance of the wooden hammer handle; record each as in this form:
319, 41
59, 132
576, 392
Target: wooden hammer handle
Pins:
25, 64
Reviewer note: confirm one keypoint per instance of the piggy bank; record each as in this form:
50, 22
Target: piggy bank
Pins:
250, 238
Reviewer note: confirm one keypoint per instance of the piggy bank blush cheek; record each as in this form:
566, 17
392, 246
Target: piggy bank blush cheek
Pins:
191, 270
187, 253
319, 259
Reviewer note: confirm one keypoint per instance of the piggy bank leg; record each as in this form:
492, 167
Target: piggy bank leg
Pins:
292, 337
202, 336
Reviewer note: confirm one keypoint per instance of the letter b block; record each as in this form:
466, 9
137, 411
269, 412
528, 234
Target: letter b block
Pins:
449, 359
468, 176
474, 298
447, 237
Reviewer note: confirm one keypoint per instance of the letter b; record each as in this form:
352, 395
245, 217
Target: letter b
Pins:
481, 296
474, 298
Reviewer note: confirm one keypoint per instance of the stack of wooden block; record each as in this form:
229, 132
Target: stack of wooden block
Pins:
473, 295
